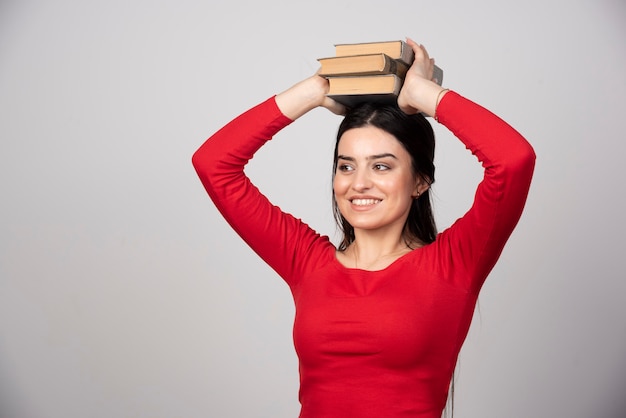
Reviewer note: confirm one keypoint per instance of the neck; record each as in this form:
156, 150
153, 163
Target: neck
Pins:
375, 251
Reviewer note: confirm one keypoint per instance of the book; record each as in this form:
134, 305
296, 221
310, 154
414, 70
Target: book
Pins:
398, 50
367, 64
352, 90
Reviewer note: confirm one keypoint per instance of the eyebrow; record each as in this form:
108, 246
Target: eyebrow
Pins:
371, 157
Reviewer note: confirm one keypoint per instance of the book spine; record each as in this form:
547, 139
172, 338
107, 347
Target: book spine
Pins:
389, 65
407, 55
397, 85
400, 68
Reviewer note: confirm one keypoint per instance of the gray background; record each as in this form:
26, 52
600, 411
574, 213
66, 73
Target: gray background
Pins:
124, 294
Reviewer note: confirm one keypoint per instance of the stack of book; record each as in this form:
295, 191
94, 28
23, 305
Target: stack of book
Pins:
371, 71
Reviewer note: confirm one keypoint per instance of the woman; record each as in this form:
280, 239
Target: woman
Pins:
380, 319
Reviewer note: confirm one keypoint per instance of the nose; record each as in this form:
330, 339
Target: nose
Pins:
361, 181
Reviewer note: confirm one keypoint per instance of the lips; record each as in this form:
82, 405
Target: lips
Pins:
364, 202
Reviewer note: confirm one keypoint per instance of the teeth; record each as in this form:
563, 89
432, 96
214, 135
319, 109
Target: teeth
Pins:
364, 202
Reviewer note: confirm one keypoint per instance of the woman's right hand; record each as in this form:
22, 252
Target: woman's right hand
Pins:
305, 96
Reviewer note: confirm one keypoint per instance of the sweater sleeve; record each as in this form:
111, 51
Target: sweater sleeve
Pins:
284, 242
473, 244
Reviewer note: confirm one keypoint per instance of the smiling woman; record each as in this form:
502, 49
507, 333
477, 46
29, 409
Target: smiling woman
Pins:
380, 318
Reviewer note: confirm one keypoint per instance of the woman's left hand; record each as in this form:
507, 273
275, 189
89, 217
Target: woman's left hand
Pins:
419, 93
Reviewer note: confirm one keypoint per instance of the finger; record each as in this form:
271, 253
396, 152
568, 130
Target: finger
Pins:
334, 106
423, 52
417, 48
412, 43
409, 110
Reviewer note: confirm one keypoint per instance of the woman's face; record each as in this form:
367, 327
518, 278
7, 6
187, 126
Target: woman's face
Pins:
374, 184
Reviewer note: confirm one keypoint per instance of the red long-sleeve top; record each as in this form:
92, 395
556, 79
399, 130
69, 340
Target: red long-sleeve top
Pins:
376, 343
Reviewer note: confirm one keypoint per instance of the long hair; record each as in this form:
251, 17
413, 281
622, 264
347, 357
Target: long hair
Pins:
416, 135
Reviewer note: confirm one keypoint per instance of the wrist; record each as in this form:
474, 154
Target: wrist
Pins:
429, 97
302, 97
442, 93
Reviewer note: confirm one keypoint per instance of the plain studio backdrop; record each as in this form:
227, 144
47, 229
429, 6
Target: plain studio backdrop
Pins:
123, 293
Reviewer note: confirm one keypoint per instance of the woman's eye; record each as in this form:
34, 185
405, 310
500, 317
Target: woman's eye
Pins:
345, 167
381, 167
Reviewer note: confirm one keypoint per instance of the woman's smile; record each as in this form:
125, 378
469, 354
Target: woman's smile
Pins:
364, 202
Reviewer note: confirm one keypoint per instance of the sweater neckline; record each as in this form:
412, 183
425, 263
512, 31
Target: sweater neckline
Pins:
404, 258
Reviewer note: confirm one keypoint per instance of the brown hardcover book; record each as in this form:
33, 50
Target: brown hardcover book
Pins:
352, 90
368, 64
398, 50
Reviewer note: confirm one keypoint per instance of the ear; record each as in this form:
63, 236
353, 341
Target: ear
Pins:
421, 186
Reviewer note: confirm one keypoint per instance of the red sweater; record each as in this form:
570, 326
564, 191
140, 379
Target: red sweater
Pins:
376, 343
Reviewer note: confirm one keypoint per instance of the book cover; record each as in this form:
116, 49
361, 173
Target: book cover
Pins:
352, 100
437, 75
367, 64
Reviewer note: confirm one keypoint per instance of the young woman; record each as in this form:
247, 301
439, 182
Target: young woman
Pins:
381, 317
